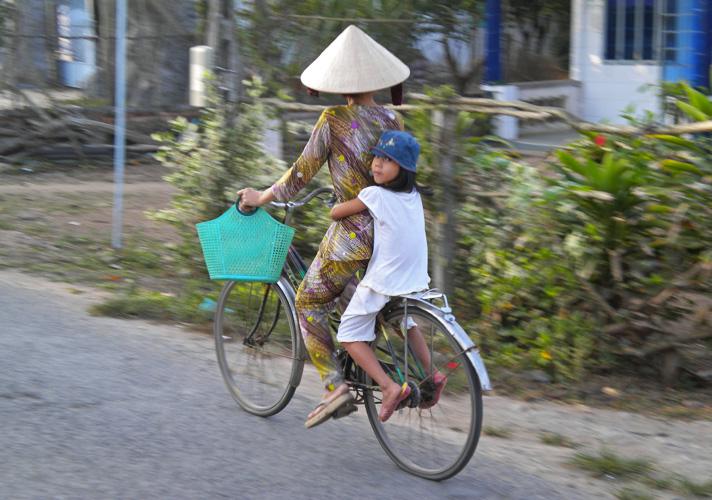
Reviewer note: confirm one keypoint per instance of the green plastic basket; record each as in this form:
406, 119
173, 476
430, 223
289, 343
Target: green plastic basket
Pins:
245, 247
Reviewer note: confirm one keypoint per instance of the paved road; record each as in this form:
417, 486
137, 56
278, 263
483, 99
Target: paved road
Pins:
95, 407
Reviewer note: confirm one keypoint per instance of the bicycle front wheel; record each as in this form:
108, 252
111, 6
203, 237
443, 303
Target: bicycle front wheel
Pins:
258, 346
437, 442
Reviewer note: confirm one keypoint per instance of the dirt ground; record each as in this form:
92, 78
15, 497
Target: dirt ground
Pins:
47, 215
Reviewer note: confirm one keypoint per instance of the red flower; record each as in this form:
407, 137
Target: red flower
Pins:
600, 140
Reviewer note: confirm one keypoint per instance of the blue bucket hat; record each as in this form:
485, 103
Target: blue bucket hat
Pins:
399, 146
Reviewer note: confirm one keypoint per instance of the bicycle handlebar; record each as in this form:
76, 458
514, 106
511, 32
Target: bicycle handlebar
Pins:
299, 203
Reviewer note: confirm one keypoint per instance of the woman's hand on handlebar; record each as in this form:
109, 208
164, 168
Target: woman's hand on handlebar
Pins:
251, 198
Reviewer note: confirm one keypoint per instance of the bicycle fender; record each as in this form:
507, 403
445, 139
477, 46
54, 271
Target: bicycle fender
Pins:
473, 354
463, 340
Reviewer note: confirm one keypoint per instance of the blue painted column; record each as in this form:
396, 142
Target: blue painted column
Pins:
699, 64
493, 61
692, 63
707, 58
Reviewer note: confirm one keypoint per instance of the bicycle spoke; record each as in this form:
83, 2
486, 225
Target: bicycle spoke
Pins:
257, 346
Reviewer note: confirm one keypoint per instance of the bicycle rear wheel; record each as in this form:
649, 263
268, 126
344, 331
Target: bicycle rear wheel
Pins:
434, 443
258, 346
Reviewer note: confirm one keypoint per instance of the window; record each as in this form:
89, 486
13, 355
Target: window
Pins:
670, 22
631, 29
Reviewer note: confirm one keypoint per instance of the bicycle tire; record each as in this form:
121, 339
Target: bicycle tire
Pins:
399, 436
259, 349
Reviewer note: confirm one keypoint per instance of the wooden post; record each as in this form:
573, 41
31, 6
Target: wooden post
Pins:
7, 75
444, 231
233, 54
436, 260
50, 32
212, 33
106, 13
448, 232
220, 35
157, 96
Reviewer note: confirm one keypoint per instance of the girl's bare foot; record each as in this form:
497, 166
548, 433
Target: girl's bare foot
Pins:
392, 396
438, 384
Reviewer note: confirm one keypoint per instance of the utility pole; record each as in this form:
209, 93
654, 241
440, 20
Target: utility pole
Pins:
119, 124
220, 36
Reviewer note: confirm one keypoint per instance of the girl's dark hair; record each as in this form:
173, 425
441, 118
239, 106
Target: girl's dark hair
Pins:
405, 183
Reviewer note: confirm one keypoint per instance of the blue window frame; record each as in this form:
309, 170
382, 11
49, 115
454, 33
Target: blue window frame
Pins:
670, 28
631, 29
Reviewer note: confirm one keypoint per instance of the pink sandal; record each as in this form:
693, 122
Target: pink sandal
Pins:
387, 411
439, 381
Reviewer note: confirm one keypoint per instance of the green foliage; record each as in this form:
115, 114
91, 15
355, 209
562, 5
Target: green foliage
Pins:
608, 463
500, 432
640, 212
210, 161
556, 439
145, 305
469, 154
135, 303
689, 487
533, 313
617, 237
629, 493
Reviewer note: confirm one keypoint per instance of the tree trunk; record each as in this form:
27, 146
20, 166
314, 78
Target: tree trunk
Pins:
445, 231
447, 169
212, 33
7, 75
50, 32
106, 30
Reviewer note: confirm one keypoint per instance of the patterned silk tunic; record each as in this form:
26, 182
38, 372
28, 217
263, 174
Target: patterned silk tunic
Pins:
342, 136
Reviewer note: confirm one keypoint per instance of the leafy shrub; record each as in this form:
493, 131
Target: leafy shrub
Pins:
210, 160
641, 209
598, 258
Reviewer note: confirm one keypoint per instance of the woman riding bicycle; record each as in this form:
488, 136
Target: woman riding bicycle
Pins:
355, 66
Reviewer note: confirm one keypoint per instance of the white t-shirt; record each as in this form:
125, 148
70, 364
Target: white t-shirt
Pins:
399, 263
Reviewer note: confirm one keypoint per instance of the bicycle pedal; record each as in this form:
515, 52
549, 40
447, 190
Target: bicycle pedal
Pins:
344, 411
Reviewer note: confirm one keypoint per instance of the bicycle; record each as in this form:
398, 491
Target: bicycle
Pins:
261, 356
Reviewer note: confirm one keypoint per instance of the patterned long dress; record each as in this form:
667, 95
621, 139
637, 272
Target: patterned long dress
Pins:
342, 136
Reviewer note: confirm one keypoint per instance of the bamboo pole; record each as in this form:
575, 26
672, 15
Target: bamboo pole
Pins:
517, 109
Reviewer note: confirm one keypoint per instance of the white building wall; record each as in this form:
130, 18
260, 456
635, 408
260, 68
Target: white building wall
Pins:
607, 87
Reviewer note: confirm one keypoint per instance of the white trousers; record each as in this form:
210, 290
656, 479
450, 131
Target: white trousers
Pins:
358, 323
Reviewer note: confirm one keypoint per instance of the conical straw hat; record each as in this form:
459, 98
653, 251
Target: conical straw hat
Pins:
354, 63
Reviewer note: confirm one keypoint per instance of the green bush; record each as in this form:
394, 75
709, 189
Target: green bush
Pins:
604, 260
210, 160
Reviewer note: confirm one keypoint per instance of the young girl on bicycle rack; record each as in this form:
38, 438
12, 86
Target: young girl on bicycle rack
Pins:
398, 266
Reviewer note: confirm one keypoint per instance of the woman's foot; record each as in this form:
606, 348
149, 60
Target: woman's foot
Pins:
332, 403
392, 397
